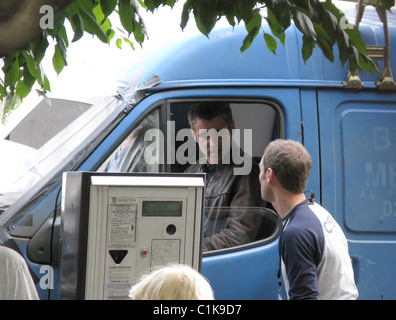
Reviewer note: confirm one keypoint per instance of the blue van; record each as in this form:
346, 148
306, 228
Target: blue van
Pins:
346, 122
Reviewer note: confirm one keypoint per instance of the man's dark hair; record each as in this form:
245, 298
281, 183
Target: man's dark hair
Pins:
208, 111
291, 163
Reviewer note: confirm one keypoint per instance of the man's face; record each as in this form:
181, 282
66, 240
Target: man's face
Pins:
212, 140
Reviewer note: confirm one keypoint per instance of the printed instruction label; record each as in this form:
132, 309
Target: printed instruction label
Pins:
122, 219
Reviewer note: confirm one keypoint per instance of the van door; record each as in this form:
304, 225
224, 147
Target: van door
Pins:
247, 271
358, 170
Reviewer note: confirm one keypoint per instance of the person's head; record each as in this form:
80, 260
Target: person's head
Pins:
211, 126
173, 282
290, 162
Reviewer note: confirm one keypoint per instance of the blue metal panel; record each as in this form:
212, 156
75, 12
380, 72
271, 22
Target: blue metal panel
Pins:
199, 60
374, 267
357, 136
370, 166
309, 118
247, 274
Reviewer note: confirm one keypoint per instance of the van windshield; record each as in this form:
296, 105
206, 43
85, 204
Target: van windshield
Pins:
22, 166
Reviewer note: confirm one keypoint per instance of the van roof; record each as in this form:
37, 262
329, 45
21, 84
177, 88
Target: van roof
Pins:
217, 60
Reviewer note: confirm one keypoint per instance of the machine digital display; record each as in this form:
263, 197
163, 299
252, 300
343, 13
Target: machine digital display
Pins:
156, 208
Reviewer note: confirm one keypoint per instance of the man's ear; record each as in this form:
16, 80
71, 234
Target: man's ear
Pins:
193, 134
269, 175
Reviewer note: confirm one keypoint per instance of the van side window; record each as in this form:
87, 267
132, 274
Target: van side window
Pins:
134, 153
256, 125
230, 221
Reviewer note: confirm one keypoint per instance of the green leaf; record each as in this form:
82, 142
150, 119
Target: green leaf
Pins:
353, 59
119, 43
86, 5
92, 26
78, 27
276, 29
331, 7
356, 39
205, 16
282, 12
150, 5
228, 11
28, 78
11, 102
22, 90
253, 27
3, 92
59, 21
322, 34
32, 66
12, 71
62, 46
330, 24
39, 46
187, 7
142, 4
367, 64
247, 42
129, 42
315, 10
108, 6
170, 3
138, 33
127, 15
388, 4
62, 34
271, 42
244, 10
343, 46
57, 61
326, 49
305, 25
307, 49
110, 34
46, 85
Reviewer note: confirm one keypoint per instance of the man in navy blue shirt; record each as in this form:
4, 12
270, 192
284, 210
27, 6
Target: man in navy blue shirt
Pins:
315, 261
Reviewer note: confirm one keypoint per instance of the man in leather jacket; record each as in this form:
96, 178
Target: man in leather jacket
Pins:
226, 222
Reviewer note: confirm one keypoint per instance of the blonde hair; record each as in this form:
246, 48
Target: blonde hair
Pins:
172, 282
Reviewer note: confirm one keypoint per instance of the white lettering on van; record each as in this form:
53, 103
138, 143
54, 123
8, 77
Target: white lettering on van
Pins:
389, 208
375, 174
380, 174
381, 138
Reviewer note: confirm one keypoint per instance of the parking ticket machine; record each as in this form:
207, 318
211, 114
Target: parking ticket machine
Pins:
115, 227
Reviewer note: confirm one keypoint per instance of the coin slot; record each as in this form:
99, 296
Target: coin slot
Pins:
171, 229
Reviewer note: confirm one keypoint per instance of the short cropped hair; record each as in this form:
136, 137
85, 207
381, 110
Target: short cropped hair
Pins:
208, 111
291, 163
172, 282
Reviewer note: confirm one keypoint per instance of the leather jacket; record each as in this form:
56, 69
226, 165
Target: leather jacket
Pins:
226, 222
